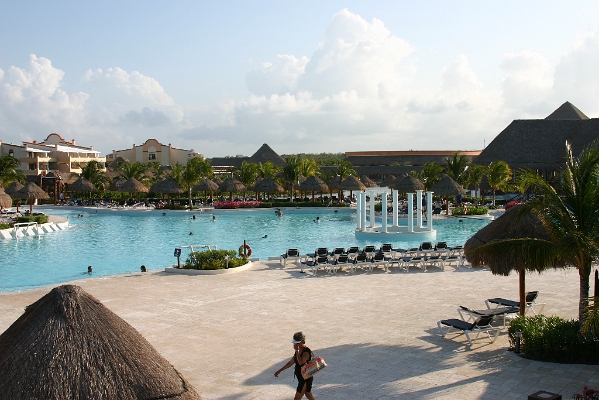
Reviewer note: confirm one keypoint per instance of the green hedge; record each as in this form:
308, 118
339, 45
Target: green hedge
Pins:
213, 259
472, 210
554, 339
5, 226
40, 219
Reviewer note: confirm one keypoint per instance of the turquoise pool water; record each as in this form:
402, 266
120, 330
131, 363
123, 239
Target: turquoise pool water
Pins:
120, 242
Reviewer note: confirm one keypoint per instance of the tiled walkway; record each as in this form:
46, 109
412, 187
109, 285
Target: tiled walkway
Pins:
377, 331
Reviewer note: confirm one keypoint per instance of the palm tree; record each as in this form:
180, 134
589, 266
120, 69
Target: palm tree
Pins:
291, 173
268, 170
474, 176
94, 172
155, 167
571, 215
498, 174
10, 170
247, 174
430, 174
456, 165
195, 170
128, 170
308, 167
345, 169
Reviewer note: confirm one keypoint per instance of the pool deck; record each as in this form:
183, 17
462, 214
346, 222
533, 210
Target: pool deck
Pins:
227, 334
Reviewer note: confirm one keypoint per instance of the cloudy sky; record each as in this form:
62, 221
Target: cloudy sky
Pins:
223, 77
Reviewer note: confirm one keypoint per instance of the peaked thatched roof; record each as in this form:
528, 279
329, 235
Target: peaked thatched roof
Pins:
82, 185
231, 185
540, 143
352, 183
334, 183
29, 191
264, 154
268, 185
167, 185
67, 345
13, 188
206, 185
313, 184
408, 184
389, 181
116, 184
567, 111
367, 181
447, 187
5, 200
132, 185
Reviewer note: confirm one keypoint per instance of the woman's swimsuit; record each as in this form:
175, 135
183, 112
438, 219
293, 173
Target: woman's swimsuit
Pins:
298, 373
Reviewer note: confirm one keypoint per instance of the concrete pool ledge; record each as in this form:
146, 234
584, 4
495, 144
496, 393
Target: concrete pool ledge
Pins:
58, 224
181, 271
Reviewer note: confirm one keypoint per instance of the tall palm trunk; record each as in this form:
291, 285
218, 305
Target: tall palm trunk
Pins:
584, 274
190, 200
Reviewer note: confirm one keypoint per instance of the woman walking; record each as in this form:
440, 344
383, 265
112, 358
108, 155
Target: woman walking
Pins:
301, 356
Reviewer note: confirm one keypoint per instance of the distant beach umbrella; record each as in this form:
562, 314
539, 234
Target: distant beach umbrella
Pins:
352, 183
217, 180
389, 181
13, 188
231, 185
313, 184
82, 185
367, 181
31, 192
5, 200
447, 187
206, 185
68, 345
409, 184
132, 185
268, 185
167, 185
518, 257
116, 184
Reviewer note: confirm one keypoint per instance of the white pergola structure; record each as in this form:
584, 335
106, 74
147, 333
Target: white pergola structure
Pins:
410, 231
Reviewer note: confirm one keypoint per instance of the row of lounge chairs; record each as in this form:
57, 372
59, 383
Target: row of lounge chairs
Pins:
385, 257
486, 320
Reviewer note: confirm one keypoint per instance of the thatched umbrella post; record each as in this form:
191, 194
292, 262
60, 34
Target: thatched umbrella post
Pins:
206, 185
269, 185
231, 185
31, 192
504, 246
313, 184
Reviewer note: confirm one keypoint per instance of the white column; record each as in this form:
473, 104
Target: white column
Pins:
371, 192
384, 210
363, 216
419, 208
395, 207
359, 212
410, 212
429, 210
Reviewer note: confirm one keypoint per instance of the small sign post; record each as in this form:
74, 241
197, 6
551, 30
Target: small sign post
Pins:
178, 255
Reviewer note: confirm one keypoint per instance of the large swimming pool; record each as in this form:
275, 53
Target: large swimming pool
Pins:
118, 242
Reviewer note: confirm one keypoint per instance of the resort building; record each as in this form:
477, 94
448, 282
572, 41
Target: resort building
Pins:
51, 155
382, 163
540, 144
264, 154
152, 150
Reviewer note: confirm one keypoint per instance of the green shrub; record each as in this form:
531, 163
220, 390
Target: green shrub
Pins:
554, 339
213, 259
5, 226
40, 219
472, 210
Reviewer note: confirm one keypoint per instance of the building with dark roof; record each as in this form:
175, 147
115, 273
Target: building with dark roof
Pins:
263, 155
540, 144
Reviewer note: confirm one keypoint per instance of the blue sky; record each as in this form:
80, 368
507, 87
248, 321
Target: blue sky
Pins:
303, 76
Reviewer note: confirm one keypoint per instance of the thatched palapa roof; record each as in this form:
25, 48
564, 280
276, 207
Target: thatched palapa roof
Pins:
67, 345
82, 185
5, 200
408, 184
313, 184
389, 181
132, 185
367, 181
116, 184
268, 185
265, 154
352, 183
231, 185
447, 187
31, 191
540, 143
167, 185
206, 185
13, 188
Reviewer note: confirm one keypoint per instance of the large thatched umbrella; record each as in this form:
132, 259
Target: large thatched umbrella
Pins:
333, 184
447, 187
82, 185
116, 184
13, 188
31, 192
67, 345
351, 183
408, 184
132, 185
313, 184
518, 257
5, 200
166, 186
206, 185
389, 181
367, 181
231, 185
268, 185
217, 180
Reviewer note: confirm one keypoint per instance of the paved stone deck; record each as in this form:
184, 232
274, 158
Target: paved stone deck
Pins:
377, 331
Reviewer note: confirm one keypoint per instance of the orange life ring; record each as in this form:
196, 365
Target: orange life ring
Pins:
247, 247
